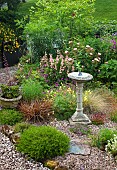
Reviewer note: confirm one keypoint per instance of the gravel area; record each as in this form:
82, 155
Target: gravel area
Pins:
10, 159
97, 160
6, 73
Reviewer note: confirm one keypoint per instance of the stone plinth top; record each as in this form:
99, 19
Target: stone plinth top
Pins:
82, 78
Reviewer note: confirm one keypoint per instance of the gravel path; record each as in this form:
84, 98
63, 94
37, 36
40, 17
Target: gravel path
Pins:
10, 159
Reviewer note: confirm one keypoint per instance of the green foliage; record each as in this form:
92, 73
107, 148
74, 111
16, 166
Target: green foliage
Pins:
24, 8
108, 73
111, 146
10, 117
92, 53
42, 143
57, 21
20, 127
64, 103
27, 70
113, 116
10, 92
103, 28
101, 139
32, 90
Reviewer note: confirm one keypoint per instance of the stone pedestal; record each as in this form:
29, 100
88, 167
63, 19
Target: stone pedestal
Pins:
78, 116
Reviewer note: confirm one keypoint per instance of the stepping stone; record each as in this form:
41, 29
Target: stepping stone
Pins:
79, 149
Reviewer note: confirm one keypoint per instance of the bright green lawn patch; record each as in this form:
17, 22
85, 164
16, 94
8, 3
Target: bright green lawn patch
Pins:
106, 9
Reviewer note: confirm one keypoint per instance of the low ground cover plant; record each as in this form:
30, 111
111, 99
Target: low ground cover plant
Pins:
81, 129
101, 139
10, 117
42, 143
111, 146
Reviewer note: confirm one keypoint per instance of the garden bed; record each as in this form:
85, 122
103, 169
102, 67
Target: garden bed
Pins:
97, 159
92, 159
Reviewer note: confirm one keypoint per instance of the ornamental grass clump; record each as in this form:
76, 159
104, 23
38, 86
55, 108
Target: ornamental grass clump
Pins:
42, 143
37, 110
32, 90
94, 102
113, 116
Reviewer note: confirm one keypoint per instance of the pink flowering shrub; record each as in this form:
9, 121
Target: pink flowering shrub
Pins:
89, 59
55, 71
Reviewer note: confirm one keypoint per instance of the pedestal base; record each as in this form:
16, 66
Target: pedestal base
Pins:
79, 119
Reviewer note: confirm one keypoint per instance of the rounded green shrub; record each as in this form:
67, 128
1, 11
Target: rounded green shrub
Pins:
42, 143
32, 90
10, 117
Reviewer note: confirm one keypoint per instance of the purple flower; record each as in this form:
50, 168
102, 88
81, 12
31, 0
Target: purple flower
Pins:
56, 84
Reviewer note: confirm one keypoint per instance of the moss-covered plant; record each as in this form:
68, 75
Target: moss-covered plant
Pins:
10, 117
42, 143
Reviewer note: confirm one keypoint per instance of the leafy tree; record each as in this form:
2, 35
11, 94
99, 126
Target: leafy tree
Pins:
53, 22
